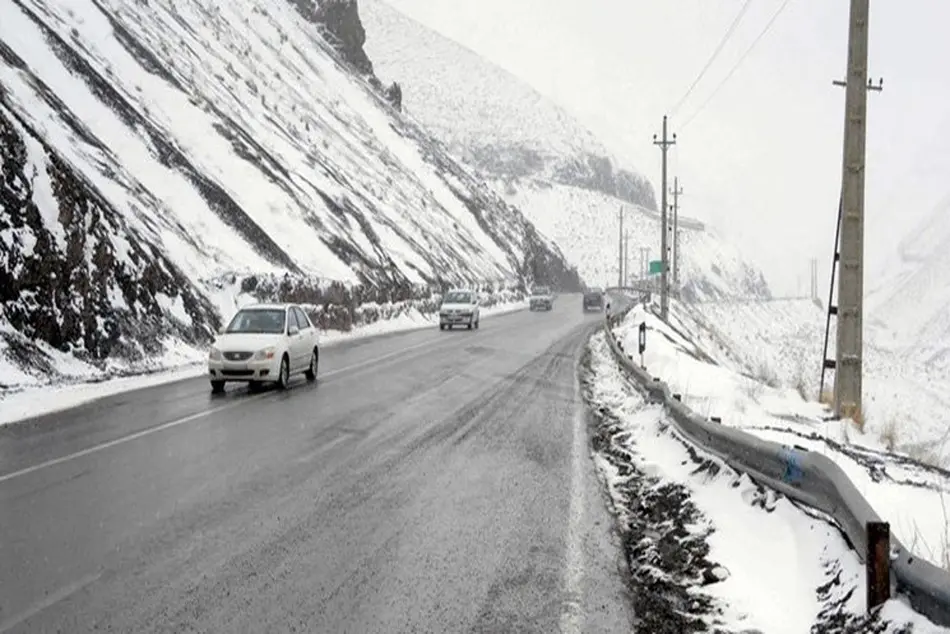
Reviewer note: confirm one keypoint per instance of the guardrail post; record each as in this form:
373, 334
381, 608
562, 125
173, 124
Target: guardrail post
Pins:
878, 573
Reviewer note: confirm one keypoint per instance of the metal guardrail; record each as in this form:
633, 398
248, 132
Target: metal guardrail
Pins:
804, 476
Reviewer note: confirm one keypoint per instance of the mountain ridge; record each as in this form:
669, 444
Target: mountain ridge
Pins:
206, 140
552, 145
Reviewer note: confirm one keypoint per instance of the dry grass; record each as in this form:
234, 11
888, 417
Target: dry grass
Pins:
801, 386
924, 454
889, 434
752, 388
858, 417
765, 374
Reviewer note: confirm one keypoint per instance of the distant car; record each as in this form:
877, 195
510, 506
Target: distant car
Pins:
594, 300
264, 343
541, 298
459, 308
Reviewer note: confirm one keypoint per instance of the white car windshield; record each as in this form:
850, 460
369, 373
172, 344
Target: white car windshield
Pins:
258, 321
542, 290
457, 298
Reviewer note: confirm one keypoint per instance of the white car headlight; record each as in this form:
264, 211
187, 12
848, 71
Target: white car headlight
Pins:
214, 354
266, 353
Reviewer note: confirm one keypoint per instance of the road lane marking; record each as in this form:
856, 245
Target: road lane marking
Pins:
572, 612
48, 601
196, 416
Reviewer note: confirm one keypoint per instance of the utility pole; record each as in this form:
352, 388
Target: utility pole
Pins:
620, 252
813, 290
676, 191
848, 357
626, 259
664, 144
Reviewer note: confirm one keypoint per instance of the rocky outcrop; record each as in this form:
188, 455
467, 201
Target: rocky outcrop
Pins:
74, 274
342, 28
513, 162
598, 174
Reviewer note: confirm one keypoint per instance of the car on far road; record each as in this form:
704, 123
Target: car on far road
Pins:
460, 307
264, 343
594, 299
541, 298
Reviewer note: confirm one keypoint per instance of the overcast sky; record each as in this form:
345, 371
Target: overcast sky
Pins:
762, 161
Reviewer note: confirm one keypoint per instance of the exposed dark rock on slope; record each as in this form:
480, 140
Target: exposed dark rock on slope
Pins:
170, 143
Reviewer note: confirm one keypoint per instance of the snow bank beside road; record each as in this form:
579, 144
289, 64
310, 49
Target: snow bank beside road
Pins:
913, 497
707, 548
906, 400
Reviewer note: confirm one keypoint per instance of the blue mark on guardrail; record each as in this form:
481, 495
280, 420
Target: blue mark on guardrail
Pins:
793, 466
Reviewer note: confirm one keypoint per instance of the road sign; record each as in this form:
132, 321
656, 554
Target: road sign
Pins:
656, 267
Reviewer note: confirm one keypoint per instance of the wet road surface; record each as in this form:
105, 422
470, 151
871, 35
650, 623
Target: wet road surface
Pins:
428, 482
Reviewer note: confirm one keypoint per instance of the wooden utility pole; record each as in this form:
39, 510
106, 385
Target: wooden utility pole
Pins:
664, 144
849, 358
676, 191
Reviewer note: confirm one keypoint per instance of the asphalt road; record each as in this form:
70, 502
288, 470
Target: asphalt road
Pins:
428, 482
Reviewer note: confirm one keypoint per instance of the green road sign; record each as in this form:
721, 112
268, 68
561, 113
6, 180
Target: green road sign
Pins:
656, 267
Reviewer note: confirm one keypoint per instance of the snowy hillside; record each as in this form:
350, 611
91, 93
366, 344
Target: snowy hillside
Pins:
541, 159
486, 116
586, 226
152, 150
905, 404
910, 301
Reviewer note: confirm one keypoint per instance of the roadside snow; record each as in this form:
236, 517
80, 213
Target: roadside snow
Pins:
906, 400
771, 566
179, 363
913, 497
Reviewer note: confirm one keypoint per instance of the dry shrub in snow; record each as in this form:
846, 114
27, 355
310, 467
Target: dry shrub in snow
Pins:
801, 387
765, 374
889, 435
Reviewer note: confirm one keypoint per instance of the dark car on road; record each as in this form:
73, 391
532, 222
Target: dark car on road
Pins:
594, 300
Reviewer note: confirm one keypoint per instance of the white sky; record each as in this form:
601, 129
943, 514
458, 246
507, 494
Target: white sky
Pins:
762, 161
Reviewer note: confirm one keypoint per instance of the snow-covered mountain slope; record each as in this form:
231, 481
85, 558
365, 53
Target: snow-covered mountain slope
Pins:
152, 148
486, 116
586, 225
910, 301
780, 342
541, 159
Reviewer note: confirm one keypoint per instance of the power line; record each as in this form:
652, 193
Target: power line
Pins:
747, 52
719, 47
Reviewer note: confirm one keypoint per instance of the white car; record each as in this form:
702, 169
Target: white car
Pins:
459, 308
264, 343
542, 298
